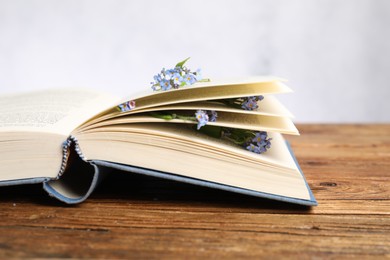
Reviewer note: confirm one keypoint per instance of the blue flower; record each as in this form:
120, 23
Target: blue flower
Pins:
259, 136
130, 104
122, 107
255, 148
249, 104
189, 79
202, 118
198, 74
170, 73
251, 147
165, 84
213, 116
177, 79
259, 144
157, 78
127, 106
260, 149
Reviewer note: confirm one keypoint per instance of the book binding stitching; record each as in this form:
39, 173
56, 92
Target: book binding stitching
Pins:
66, 152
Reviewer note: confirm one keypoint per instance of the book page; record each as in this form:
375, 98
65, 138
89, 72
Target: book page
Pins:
207, 91
54, 110
210, 92
225, 119
180, 134
236, 82
180, 150
268, 106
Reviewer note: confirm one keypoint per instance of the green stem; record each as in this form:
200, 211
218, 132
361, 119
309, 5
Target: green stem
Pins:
234, 103
204, 80
190, 118
167, 116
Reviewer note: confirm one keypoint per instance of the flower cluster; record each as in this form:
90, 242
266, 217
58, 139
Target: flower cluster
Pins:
253, 141
174, 78
260, 143
246, 103
250, 103
127, 106
203, 117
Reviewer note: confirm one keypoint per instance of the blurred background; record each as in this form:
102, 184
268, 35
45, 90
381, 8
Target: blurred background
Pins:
335, 54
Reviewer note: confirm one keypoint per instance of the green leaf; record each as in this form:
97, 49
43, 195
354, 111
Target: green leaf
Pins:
213, 131
181, 64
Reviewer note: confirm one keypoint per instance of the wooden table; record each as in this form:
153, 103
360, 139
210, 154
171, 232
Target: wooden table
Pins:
347, 167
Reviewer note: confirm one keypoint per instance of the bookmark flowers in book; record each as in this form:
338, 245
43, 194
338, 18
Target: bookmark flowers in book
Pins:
181, 76
245, 103
253, 141
167, 79
127, 106
260, 143
176, 77
203, 117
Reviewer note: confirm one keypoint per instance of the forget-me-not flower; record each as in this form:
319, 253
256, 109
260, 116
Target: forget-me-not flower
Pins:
202, 118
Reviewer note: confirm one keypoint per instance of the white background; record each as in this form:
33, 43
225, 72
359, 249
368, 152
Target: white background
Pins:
336, 54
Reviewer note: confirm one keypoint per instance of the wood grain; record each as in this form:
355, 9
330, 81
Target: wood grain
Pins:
347, 167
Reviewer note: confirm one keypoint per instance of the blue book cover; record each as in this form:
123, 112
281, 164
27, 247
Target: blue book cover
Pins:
82, 177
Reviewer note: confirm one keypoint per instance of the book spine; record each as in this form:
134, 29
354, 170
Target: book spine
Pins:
77, 177
66, 150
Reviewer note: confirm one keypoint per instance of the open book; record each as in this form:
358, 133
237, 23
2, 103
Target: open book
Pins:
68, 138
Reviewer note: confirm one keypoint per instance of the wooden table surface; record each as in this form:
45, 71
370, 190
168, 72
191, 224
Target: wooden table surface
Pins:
347, 167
